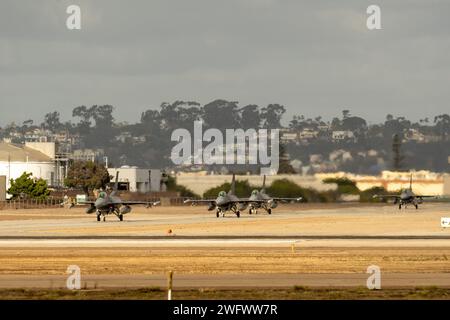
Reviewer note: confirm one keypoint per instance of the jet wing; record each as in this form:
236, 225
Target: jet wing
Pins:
250, 201
288, 199
87, 202
417, 196
147, 203
376, 196
199, 201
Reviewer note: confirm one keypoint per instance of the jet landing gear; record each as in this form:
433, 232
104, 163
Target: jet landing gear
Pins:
253, 211
100, 215
405, 205
118, 214
222, 213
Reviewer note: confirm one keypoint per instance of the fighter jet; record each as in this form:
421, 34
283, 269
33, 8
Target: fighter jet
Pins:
260, 199
406, 196
106, 204
225, 202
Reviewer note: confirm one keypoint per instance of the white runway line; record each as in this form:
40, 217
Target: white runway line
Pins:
127, 243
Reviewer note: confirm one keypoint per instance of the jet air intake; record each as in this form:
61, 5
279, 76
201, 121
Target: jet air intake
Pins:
91, 209
273, 204
242, 206
125, 209
211, 206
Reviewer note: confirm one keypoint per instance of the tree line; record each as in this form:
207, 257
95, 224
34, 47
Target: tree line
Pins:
98, 128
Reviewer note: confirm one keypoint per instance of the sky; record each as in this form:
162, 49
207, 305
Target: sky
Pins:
313, 57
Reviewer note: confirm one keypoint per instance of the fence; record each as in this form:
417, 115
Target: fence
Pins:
57, 203
30, 204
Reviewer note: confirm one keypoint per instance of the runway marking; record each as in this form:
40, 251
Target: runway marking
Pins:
130, 243
228, 281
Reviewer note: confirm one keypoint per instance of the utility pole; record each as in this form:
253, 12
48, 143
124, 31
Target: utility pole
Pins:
396, 151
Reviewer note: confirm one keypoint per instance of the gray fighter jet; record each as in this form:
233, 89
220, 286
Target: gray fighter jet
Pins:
225, 202
106, 204
260, 199
406, 197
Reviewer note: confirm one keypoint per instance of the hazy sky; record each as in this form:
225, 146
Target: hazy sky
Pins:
314, 57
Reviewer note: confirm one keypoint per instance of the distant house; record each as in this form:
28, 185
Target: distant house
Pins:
414, 135
342, 135
289, 137
87, 154
308, 134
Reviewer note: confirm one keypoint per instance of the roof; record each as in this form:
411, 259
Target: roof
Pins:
18, 153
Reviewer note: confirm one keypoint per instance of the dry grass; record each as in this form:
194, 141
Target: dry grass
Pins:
53, 261
296, 293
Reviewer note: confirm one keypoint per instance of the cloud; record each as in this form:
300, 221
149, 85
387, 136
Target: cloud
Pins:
314, 57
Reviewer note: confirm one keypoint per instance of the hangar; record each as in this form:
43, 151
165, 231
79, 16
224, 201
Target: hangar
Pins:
136, 179
17, 159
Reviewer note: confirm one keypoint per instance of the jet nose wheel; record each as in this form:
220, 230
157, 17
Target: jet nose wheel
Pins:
269, 211
98, 217
238, 214
218, 213
121, 217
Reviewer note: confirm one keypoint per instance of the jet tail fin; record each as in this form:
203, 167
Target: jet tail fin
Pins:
116, 184
233, 185
410, 182
264, 184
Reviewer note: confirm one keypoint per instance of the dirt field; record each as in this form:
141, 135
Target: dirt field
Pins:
53, 261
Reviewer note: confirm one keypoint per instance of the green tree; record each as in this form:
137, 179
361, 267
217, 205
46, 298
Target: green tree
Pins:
243, 189
87, 175
52, 121
284, 165
221, 114
184, 192
25, 187
271, 116
250, 117
289, 189
344, 185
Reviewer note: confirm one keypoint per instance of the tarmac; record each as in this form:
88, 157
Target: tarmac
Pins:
409, 234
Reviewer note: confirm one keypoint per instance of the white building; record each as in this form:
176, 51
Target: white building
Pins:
137, 179
35, 158
342, 135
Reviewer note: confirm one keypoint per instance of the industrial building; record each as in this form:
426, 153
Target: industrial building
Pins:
136, 179
35, 158
2, 188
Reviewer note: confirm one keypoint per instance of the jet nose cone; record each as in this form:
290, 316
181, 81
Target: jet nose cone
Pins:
220, 201
97, 203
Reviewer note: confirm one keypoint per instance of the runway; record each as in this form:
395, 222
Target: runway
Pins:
160, 242
227, 281
320, 245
